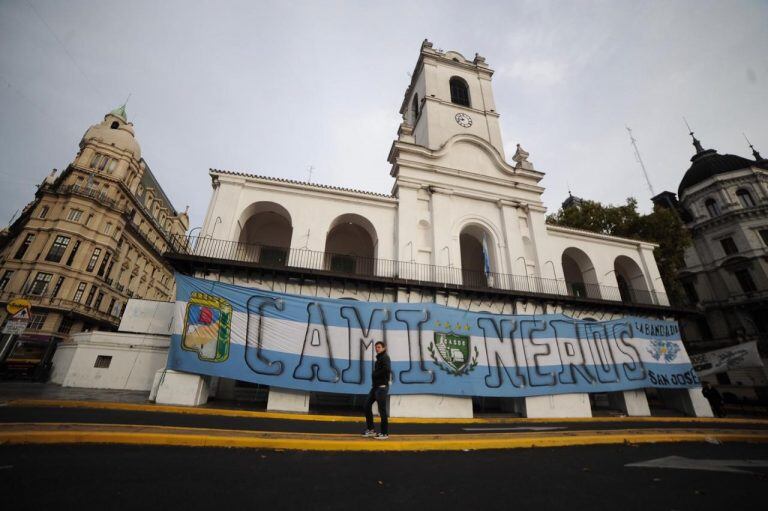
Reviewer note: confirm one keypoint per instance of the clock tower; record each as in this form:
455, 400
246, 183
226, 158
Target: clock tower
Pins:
449, 95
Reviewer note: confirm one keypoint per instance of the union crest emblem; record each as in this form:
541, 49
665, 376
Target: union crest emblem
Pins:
207, 327
667, 350
453, 353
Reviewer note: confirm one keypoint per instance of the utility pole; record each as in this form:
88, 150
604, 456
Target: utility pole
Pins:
640, 160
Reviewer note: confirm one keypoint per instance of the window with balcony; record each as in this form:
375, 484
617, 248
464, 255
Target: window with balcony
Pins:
712, 208
37, 320
79, 293
99, 298
104, 263
40, 284
66, 325
745, 198
57, 287
24, 246
745, 281
72, 254
729, 246
6, 279
57, 249
91, 294
93, 260
74, 215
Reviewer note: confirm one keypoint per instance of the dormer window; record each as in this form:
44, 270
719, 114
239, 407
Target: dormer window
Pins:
712, 208
115, 125
745, 198
459, 91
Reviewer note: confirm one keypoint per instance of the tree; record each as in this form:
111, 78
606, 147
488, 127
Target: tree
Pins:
663, 227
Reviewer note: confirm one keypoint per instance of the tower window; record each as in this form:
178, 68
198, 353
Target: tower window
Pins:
712, 208
745, 198
115, 125
459, 91
415, 108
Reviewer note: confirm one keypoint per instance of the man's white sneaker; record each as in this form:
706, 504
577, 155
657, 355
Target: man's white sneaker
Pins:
381, 437
369, 433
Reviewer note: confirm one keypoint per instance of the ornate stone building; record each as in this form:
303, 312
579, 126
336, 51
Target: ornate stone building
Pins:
723, 200
92, 238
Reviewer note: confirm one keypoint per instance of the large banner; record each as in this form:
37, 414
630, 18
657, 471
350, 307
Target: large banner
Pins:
739, 356
326, 345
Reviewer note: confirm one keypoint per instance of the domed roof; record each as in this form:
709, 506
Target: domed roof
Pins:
708, 163
116, 131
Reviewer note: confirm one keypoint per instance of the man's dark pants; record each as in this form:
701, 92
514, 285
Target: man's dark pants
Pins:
379, 395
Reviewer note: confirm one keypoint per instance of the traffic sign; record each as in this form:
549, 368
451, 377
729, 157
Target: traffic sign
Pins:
15, 327
17, 304
21, 315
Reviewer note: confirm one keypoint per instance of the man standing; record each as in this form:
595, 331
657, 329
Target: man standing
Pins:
714, 398
378, 393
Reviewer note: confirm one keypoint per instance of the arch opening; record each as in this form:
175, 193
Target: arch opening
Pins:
350, 246
459, 91
477, 260
265, 234
579, 273
632, 285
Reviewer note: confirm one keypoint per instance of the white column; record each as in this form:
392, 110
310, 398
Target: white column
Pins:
558, 406
287, 400
428, 405
632, 402
177, 388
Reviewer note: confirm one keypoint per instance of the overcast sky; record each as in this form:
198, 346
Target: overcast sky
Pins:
276, 87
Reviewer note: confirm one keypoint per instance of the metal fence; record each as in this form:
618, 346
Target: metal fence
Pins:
447, 276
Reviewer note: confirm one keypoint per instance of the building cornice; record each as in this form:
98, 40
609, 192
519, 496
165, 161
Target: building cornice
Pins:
581, 233
243, 178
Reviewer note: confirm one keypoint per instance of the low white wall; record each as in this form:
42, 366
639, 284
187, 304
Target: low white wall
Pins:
147, 317
135, 359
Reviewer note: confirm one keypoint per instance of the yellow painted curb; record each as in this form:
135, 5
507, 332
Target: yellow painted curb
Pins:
162, 436
224, 412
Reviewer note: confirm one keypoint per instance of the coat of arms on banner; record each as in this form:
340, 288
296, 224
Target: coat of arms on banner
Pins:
453, 353
667, 350
207, 327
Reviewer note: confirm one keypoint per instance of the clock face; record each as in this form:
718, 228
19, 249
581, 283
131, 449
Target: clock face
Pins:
463, 120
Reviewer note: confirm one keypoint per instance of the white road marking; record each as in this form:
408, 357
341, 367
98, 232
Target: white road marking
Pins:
695, 464
519, 428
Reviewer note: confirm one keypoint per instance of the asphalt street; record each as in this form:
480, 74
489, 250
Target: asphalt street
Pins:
586, 477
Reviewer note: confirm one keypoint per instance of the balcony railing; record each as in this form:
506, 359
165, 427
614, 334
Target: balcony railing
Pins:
46, 300
91, 193
443, 276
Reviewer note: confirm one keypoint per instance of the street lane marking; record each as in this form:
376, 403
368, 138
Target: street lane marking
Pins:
680, 462
519, 428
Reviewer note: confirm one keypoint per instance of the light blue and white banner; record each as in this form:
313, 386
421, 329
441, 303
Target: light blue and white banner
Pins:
326, 345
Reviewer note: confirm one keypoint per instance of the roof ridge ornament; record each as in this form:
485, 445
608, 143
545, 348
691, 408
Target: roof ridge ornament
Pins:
755, 152
521, 159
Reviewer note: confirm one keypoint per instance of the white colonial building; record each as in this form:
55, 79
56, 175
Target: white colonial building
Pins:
462, 227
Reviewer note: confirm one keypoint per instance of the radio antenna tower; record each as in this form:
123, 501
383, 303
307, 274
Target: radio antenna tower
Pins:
640, 160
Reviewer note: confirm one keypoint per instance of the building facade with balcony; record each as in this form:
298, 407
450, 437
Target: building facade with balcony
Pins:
723, 200
92, 237
462, 227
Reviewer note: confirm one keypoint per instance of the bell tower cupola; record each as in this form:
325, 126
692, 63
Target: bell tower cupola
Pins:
449, 95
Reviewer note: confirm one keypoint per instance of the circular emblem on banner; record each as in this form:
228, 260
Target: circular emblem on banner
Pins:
17, 304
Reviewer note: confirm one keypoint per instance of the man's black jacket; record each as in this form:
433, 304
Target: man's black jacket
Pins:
381, 369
